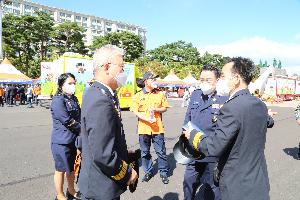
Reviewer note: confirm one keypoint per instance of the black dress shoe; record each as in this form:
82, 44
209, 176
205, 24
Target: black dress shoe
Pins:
147, 177
165, 179
71, 197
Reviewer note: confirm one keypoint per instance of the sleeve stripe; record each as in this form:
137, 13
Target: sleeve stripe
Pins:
196, 140
122, 173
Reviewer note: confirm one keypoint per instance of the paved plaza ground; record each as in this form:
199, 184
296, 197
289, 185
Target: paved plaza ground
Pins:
27, 168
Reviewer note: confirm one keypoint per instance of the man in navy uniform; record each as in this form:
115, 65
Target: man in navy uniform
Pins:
105, 171
202, 111
240, 136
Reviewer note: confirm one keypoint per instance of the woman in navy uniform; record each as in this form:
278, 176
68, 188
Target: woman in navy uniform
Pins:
65, 112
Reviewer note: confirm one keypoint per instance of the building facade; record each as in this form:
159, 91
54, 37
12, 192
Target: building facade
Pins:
93, 25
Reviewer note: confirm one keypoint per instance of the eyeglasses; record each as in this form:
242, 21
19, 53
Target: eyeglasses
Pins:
121, 66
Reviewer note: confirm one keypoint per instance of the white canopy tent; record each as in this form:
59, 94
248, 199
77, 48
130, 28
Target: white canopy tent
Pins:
9, 74
190, 79
171, 77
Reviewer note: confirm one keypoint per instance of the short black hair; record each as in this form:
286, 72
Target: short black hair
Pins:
212, 68
245, 67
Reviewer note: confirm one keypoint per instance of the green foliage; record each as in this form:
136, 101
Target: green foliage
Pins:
274, 63
279, 66
179, 56
28, 40
213, 59
68, 37
130, 42
179, 51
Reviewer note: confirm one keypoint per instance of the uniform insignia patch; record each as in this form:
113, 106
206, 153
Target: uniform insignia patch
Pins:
217, 106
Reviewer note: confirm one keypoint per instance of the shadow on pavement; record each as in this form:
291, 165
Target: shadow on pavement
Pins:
168, 196
172, 164
292, 152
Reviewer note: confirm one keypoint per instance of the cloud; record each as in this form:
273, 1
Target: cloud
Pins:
297, 36
258, 48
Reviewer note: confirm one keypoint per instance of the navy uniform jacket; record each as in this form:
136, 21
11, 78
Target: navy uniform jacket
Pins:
239, 142
104, 169
66, 119
202, 111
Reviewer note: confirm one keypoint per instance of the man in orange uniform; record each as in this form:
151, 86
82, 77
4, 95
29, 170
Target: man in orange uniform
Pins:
36, 92
1, 96
148, 105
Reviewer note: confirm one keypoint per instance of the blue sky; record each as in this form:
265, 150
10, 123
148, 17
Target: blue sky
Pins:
260, 29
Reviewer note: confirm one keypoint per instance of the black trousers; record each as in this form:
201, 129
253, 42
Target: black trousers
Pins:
1, 101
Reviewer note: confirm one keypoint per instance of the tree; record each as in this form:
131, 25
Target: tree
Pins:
180, 51
260, 63
44, 28
279, 64
68, 37
274, 63
130, 42
26, 41
213, 59
19, 38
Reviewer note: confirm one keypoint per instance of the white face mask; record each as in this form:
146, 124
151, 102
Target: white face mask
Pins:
70, 89
154, 85
121, 79
222, 88
206, 88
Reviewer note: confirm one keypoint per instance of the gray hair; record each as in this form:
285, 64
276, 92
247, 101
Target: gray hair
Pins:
104, 55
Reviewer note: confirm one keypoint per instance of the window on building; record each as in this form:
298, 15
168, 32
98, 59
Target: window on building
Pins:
50, 12
62, 20
94, 21
7, 10
16, 5
98, 21
94, 31
108, 29
84, 19
108, 24
35, 8
17, 12
62, 14
99, 32
68, 15
84, 24
121, 26
27, 7
78, 18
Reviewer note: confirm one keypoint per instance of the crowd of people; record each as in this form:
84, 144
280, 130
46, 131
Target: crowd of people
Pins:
10, 94
228, 120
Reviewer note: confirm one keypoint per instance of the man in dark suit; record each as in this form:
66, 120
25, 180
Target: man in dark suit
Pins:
240, 136
105, 171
